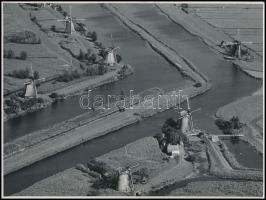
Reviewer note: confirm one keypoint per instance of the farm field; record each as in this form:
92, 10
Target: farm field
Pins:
239, 21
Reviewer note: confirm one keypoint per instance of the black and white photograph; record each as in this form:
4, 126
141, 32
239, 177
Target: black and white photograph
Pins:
132, 99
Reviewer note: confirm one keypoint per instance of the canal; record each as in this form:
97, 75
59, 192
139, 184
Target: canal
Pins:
151, 70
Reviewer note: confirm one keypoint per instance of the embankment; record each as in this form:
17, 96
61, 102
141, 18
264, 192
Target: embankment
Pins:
221, 168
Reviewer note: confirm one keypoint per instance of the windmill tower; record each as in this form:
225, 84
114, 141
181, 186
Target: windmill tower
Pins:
70, 29
31, 89
111, 56
186, 118
125, 180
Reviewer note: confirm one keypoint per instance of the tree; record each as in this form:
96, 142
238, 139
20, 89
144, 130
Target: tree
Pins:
94, 36
87, 55
101, 69
36, 75
172, 137
53, 28
10, 54
81, 67
81, 55
54, 95
169, 123
23, 55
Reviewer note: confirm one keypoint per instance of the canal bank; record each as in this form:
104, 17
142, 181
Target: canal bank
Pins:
229, 84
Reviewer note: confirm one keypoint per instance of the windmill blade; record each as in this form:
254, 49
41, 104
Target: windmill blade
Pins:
31, 69
70, 10
229, 43
191, 123
116, 48
40, 79
27, 83
41, 20
78, 19
65, 65
246, 42
187, 98
62, 20
238, 34
198, 109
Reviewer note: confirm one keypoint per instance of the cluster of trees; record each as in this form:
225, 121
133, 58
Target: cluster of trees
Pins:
23, 73
92, 35
23, 37
228, 127
17, 103
89, 57
171, 134
184, 7
68, 76
9, 54
94, 70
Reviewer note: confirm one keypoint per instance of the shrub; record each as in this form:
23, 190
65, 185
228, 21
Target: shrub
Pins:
94, 36
75, 74
53, 28
36, 75
68, 76
140, 175
65, 77
23, 37
22, 73
91, 71
40, 100
92, 58
81, 55
184, 7
102, 69
10, 54
87, 55
82, 168
23, 55
33, 18
169, 123
81, 67
172, 137
59, 8
28, 103
54, 95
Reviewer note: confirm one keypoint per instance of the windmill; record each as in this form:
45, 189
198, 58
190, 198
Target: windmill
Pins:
234, 47
31, 89
125, 180
70, 28
69, 22
111, 56
186, 117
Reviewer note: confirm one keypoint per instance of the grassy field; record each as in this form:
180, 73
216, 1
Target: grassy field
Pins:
48, 57
42, 56
231, 17
220, 188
